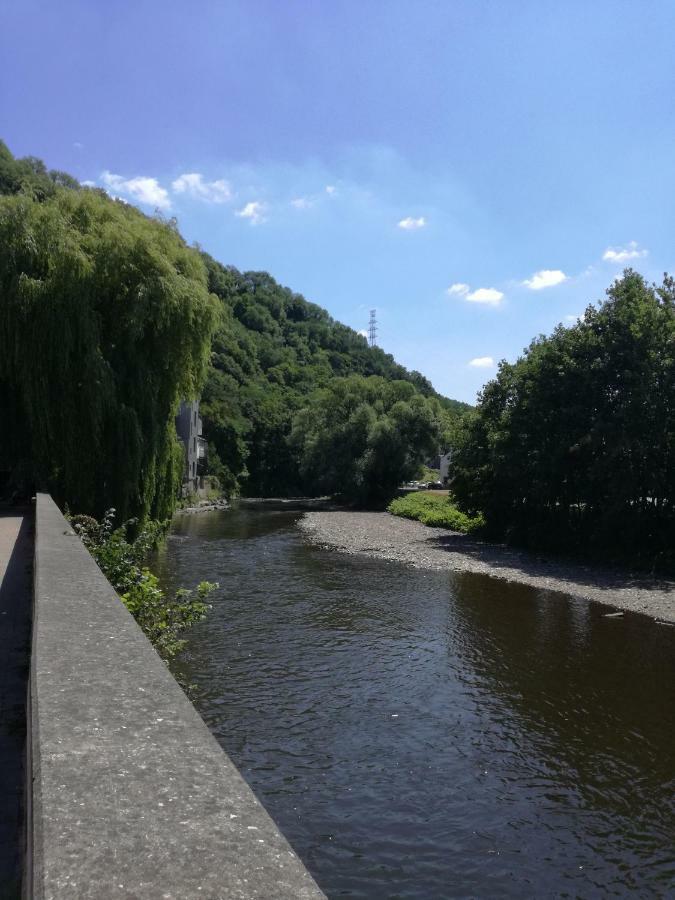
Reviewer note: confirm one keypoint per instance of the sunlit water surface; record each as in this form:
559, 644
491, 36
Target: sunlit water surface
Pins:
420, 734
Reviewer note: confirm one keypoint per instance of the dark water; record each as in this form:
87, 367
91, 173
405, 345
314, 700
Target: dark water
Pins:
427, 735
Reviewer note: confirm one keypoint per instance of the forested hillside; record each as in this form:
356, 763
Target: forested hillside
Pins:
107, 318
273, 349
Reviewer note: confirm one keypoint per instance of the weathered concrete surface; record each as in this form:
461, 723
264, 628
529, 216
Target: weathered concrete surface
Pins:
16, 555
133, 797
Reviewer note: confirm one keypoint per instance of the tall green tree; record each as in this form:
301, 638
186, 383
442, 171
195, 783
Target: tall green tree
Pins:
573, 446
105, 323
361, 437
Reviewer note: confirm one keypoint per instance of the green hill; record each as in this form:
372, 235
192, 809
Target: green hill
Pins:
272, 354
271, 351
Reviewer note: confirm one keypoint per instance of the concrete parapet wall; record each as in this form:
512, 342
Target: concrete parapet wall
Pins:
132, 796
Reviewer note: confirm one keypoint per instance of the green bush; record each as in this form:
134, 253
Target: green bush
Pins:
161, 618
436, 511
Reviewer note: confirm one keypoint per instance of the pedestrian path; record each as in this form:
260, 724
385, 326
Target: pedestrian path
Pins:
16, 555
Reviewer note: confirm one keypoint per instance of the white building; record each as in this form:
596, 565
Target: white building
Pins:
189, 428
444, 466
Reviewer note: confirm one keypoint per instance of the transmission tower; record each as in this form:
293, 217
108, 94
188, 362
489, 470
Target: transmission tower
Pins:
372, 329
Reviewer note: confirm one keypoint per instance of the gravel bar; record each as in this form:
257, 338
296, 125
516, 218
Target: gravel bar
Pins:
381, 535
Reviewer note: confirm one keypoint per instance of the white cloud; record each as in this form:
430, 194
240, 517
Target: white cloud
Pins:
623, 254
331, 189
410, 224
144, 190
301, 203
193, 183
545, 278
88, 183
253, 211
78, 146
363, 333
491, 296
458, 289
482, 362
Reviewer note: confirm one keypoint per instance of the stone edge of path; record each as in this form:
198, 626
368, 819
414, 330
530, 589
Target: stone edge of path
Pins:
132, 795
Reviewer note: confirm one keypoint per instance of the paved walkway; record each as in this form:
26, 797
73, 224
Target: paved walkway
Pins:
16, 557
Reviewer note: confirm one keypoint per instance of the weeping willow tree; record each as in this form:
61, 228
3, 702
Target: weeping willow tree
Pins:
105, 323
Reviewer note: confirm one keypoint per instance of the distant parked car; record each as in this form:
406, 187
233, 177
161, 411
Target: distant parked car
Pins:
435, 486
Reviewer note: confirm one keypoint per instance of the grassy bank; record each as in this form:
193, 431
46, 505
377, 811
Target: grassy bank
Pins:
436, 510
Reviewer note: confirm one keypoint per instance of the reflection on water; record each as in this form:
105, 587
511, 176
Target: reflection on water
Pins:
426, 735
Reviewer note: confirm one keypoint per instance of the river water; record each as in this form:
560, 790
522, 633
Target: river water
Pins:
421, 734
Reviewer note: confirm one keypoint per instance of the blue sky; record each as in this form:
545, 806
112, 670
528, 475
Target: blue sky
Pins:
477, 171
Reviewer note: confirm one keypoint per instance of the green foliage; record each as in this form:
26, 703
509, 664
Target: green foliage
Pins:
162, 618
105, 323
360, 437
30, 176
437, 511
274, 350
573, 446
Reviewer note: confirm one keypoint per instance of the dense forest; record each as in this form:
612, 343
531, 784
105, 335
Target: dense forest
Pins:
271, 352
572, 447
108, 318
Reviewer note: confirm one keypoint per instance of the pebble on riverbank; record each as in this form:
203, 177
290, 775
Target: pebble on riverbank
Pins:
382, 535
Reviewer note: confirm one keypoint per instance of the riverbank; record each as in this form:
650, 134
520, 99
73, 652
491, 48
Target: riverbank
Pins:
270, 503
203, 506
384, 536
286, 503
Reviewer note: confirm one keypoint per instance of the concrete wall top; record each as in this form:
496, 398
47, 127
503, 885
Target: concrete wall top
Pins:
132, 796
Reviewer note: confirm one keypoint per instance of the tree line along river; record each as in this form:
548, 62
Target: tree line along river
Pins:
422, 734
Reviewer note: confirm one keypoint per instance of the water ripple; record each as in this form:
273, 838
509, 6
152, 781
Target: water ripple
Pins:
427, 735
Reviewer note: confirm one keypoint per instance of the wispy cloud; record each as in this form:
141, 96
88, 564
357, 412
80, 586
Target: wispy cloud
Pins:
491, 296
482, 362
458, 289
545, 278
145, 190
78, 145
254, 212
363, 333
410, 224
302, 203
331, 189
193, 184
623, 254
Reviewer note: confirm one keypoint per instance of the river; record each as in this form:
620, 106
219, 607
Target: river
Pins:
422, 734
